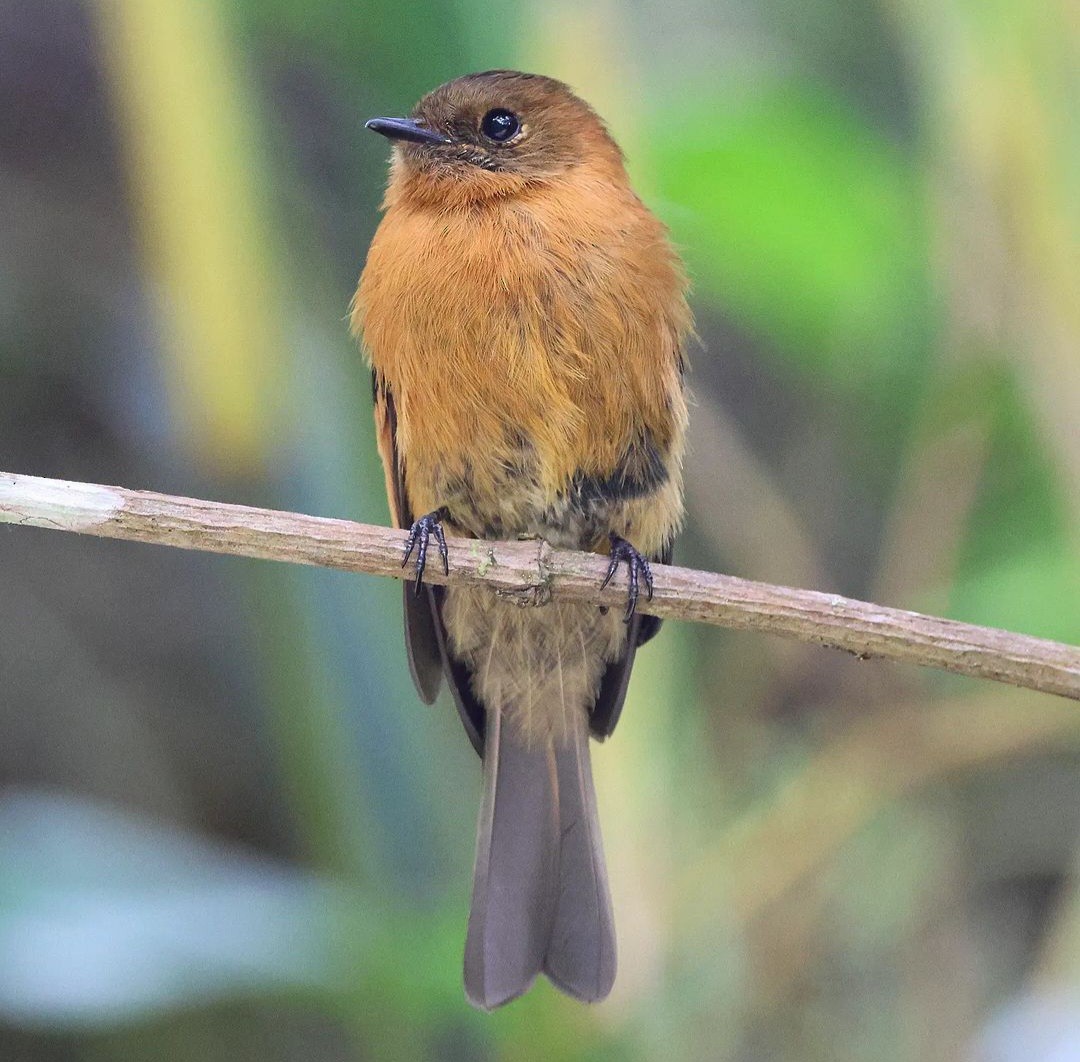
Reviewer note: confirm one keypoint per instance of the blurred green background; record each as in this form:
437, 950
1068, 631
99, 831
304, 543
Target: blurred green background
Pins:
228, 831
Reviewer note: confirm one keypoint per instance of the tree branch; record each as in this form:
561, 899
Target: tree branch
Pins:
531, 572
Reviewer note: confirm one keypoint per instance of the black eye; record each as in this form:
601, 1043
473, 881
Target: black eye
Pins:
500, 125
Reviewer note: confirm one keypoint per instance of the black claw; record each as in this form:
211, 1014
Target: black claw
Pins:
419, 535
637, 568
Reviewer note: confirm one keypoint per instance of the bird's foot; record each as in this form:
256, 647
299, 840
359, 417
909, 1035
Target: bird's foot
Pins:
419, 535
637, 568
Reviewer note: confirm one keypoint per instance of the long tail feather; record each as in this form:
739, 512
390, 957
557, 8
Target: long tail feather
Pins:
514, 881
581, 954
540, 894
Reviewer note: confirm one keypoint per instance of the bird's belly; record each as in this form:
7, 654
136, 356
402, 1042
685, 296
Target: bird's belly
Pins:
504, 498
542, 667
519, 390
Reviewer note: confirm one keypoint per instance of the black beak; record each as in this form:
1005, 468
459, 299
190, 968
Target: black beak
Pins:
406, 129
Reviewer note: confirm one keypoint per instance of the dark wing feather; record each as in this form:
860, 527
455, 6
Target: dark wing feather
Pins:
472, 713
605, 712
422, 643
421, 637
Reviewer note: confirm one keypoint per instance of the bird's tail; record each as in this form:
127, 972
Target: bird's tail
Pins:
540, 893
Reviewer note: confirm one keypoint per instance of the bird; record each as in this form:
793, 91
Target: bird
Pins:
525, 316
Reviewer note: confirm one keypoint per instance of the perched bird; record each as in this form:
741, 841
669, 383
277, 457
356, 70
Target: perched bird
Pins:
524, 315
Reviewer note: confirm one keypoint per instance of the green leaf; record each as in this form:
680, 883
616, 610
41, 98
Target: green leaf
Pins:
804, 222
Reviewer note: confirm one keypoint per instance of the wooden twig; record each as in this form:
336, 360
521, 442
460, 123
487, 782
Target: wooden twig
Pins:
531, 572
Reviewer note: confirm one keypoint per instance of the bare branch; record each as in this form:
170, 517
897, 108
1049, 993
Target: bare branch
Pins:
530, 572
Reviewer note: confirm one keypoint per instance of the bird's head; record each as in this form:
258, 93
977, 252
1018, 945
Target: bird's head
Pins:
495, 134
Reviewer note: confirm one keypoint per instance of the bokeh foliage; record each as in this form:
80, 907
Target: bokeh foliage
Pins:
232, 833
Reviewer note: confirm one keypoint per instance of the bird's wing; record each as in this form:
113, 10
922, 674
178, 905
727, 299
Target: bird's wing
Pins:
605, 712
425, 633
459, 679
421, 617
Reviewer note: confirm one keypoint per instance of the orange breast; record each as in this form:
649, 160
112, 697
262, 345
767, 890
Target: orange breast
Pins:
543, 328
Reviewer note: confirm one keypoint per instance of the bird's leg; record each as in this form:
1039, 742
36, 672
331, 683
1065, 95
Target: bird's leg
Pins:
419, 535
638, 570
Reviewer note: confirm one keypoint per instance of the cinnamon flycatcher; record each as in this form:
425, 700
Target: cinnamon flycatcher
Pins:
524, 315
